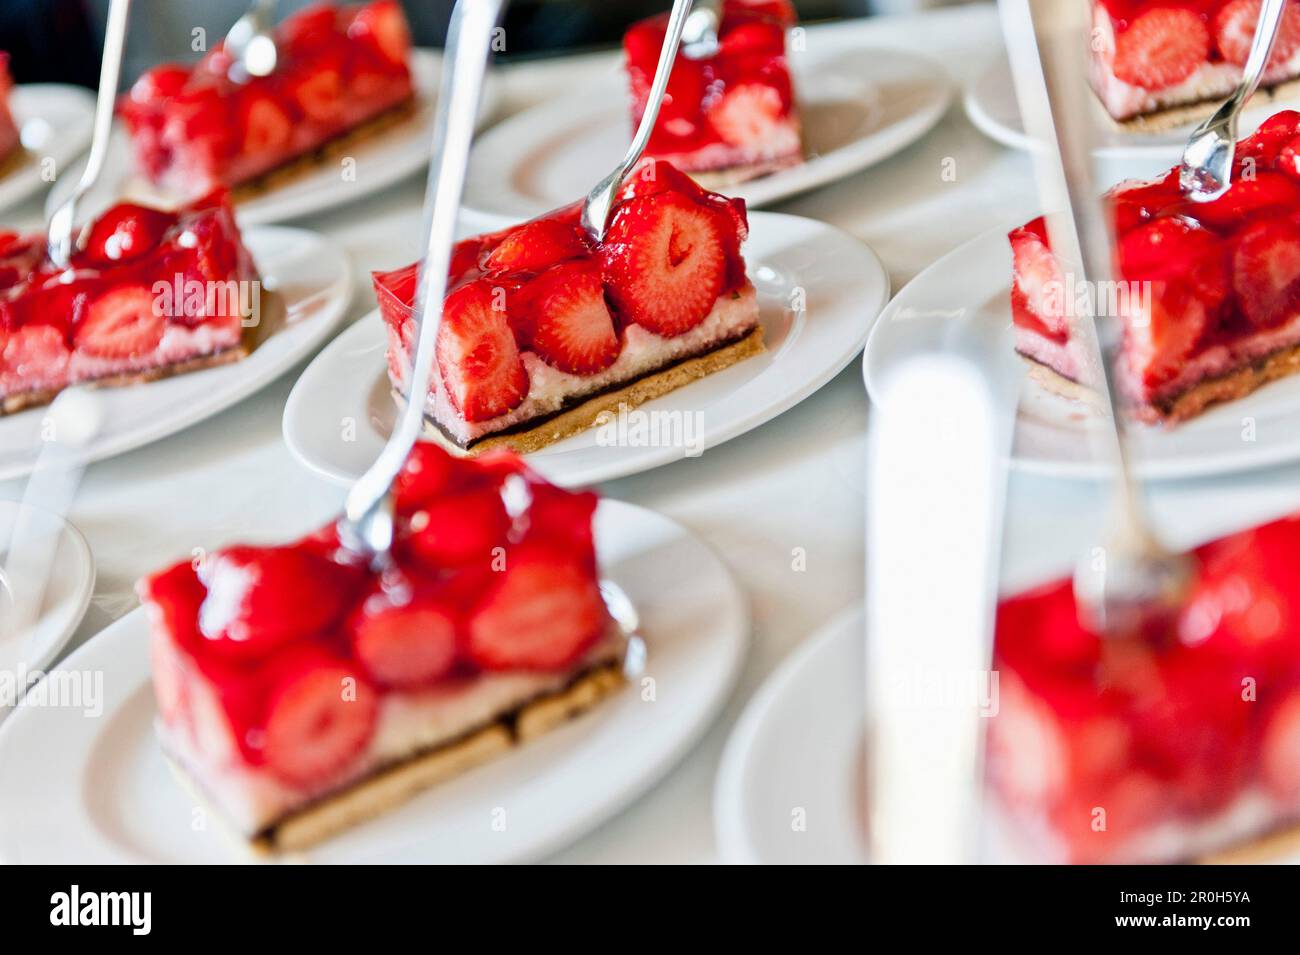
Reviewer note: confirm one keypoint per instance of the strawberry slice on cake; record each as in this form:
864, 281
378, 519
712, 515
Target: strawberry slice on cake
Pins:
341, 74
729, 117
300, 691
1209, 293
1158, 63
152, 293
1157, 747
543, 330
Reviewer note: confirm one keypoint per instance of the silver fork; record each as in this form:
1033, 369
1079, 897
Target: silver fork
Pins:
599, 202
1131, 583
700, 36
61, 242
1206, 171
367, 524
251, 42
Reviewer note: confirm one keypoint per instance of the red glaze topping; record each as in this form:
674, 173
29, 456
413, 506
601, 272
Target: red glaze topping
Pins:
1151, 730
283, 655
670, 251
730, 98
1218, 270
337, 68
107, 304
1159, 43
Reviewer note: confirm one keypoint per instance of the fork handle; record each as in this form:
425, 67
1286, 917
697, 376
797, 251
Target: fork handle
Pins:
1266, 30
469, 40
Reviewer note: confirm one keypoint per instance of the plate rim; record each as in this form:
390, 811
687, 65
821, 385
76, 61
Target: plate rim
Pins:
913, 128
728, 804
738, 642
25, 183
86, 590
876, 275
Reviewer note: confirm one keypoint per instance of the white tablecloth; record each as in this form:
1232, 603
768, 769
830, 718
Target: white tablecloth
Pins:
796, 482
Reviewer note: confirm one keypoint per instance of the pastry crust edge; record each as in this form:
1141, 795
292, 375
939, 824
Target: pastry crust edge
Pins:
1188, 404
274, 315
1172, 117
587, 414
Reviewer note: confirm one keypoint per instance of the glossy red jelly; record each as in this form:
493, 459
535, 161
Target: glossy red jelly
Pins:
1127, 749
150, 289
671, 250
495, 571
194, 127
1213, 287
732, 111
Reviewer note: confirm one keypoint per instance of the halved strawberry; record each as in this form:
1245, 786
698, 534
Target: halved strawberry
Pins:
755, 37
173, 598
665, 259
34, 352
1279, 758
1264, 192
1267, 141
321, 715
748, 114
122, 323
125, 232
562, 518
1039, 281
259, 598
1174, 248
383, 25
160, 83
1234, 30
536, 246
477, 354
1132, 205
264, 124
318, 93
459, 528
423, 477
1163, 46
569, 322
404, 644
1266, 271
305, 29
1162, 328
542, 615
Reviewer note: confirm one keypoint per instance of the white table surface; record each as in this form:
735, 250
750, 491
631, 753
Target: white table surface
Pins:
796, 482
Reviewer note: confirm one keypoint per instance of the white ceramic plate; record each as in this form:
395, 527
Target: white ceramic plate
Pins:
381, 160
968, 291
56, 122
858, 108
114, 800
309, 272
845, 289
798, 747
991, 105
69, 584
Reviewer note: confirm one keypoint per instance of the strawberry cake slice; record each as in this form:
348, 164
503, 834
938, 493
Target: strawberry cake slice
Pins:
1159, 747
152, 294
543, 330
341, 74
729, 117
10, 139
1209, 293
300, 691
1160, 63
